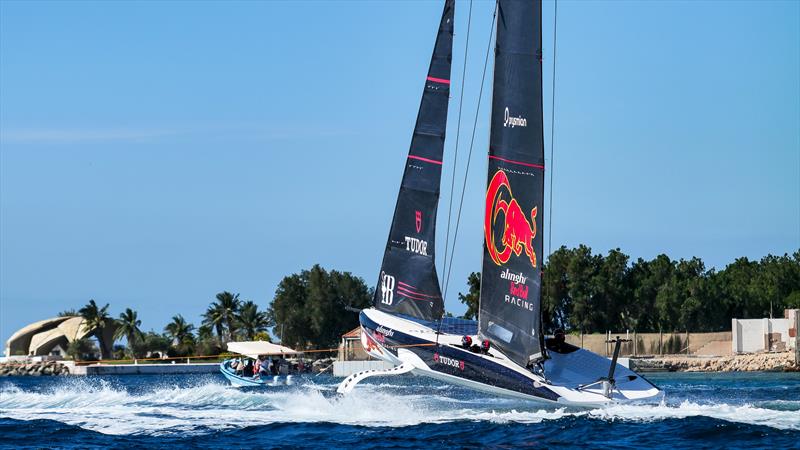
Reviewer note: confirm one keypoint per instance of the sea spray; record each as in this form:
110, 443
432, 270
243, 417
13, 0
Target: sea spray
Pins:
181, 406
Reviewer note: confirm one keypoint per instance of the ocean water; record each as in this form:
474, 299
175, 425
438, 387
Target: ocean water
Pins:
742, 410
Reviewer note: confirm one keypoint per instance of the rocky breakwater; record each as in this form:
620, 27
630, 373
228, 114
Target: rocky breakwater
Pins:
35, 369
756, 362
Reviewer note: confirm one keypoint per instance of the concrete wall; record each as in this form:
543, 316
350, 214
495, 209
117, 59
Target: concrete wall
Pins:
759, 335
144, 369
644, 344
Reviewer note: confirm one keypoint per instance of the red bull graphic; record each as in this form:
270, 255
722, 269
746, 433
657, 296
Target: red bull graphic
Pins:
369, 343
518, 233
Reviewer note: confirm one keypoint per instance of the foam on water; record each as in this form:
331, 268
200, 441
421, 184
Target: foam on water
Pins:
211, 405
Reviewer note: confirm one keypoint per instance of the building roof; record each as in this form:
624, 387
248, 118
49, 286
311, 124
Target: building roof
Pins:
34, 328
74, 328
352, 334
38, 337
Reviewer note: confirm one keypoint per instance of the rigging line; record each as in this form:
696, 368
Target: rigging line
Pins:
469, 156
552, 136
455, 159
458, 134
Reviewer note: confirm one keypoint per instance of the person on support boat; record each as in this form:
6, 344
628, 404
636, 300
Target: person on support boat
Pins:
235, 366
276, 366
264, 367
256, 367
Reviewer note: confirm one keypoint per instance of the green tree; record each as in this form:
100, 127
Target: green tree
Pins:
221, 315
205, 333
738, 290
472, 298
310, 307
556, 302
98, 320
288, 310
81, 349
207, 343
251, 320
179, 330
128, 326
180, 333
153, 345
581, 270
262, 336
613, 293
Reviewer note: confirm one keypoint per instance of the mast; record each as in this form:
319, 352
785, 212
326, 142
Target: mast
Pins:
510, 302
408, 283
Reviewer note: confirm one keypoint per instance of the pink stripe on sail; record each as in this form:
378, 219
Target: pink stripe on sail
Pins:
412, 295
416, 293
538, 166
439, 80
432, 161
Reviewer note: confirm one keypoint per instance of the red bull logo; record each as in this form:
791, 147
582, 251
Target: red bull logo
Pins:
518, 233
369, 343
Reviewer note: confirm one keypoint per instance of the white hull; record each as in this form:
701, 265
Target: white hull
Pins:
568, 376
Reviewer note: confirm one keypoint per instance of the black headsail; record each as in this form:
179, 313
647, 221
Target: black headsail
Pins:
408, 283
511, 281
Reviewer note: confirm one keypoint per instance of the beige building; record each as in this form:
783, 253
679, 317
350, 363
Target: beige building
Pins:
350, 348
50, 337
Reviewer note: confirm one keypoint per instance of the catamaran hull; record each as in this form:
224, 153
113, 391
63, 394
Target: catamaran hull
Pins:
400, 341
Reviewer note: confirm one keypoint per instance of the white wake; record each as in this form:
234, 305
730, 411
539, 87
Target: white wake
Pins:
99, 406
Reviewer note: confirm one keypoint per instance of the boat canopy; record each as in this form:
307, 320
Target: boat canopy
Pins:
255, 348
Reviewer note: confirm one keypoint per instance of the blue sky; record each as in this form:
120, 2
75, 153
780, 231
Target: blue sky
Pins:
153, 154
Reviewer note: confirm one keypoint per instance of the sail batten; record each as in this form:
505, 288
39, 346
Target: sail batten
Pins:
510, 303
408, 283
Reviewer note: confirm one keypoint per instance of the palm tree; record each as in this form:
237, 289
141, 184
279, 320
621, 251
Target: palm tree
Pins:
97, 319
68, 313
251, 320
221, 314
179, 330
128, 326
214, 319
205, 333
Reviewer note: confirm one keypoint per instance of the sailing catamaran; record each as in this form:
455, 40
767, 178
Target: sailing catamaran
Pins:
510, 355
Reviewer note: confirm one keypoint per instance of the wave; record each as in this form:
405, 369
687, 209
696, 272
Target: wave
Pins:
209, 406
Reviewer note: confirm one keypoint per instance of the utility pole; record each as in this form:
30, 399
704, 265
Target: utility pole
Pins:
797, 338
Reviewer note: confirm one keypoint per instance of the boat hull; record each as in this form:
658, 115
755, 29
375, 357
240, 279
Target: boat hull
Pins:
245, 381
441, 356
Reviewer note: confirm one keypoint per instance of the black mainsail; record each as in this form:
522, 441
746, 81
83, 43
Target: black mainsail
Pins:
510, 302
408, 283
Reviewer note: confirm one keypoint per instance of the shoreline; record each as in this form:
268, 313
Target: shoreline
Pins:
749, 362
753, 362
